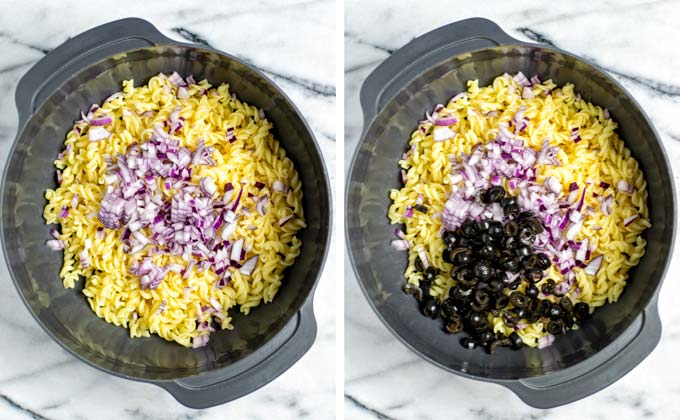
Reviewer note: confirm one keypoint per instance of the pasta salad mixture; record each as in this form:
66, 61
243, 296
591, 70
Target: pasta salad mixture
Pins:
523, 212
175, 203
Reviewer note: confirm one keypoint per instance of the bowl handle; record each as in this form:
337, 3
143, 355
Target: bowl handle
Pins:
422, 53
612, 363
79, 52
204, 392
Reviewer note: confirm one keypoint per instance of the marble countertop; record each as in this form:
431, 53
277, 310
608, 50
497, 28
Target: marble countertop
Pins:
39, 380
623, 37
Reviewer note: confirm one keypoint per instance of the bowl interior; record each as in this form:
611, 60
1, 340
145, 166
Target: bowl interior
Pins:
64, 313
374, 172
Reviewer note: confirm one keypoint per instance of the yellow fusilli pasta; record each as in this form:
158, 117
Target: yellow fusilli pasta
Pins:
172, 309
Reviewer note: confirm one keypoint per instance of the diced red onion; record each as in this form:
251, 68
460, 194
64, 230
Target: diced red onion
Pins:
98, 134
629, 220
99, 121
248, 266
200, 341
545, 341
261, 205
443, 133
182, 93
285, 219
624, 186
55, 244
593, 266
445, 121
527, 92
521, 79
279, 186
400, 244
553, 184
84, 258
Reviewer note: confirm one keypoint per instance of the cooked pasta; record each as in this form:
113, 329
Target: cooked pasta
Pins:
245, 156
597, 159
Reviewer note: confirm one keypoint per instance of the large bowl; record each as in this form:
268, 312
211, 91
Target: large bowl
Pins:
85, 70
430, 70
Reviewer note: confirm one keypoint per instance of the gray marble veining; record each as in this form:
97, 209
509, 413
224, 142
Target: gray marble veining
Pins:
385, 380
39, 380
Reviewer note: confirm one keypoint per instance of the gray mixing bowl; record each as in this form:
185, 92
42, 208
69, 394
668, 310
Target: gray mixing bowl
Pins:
430, 70
85, 70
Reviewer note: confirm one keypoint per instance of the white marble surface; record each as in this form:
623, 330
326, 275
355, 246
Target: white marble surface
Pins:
288, 41
386, 381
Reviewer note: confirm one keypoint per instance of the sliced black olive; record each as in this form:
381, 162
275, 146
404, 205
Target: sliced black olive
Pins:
514, 284
518, 300
581, 310
525, 214
464, 242
425, 286
448, 307
511, 228
522, 312
420, 208
511, 318
483, 270
455, 324
413, 290
477, 319
496, 230
469, 343
531, 291
494, 195
566, 304
469, 229
508, 201
515, 341
548, 287
511, 243
459, 294
534, 275
510, 264
430, 307
449, 238
488, 251
555, 327
568, 321
542, 261
485, 238
481, 297
532, 317
555, 312
464, 257
533, 223
511, 210
527, 236
529, 262
500, 302
485, 337
546, 305
493, 345
468, 281
523, 251
483, 225
419, 264
495, 286
430, 274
